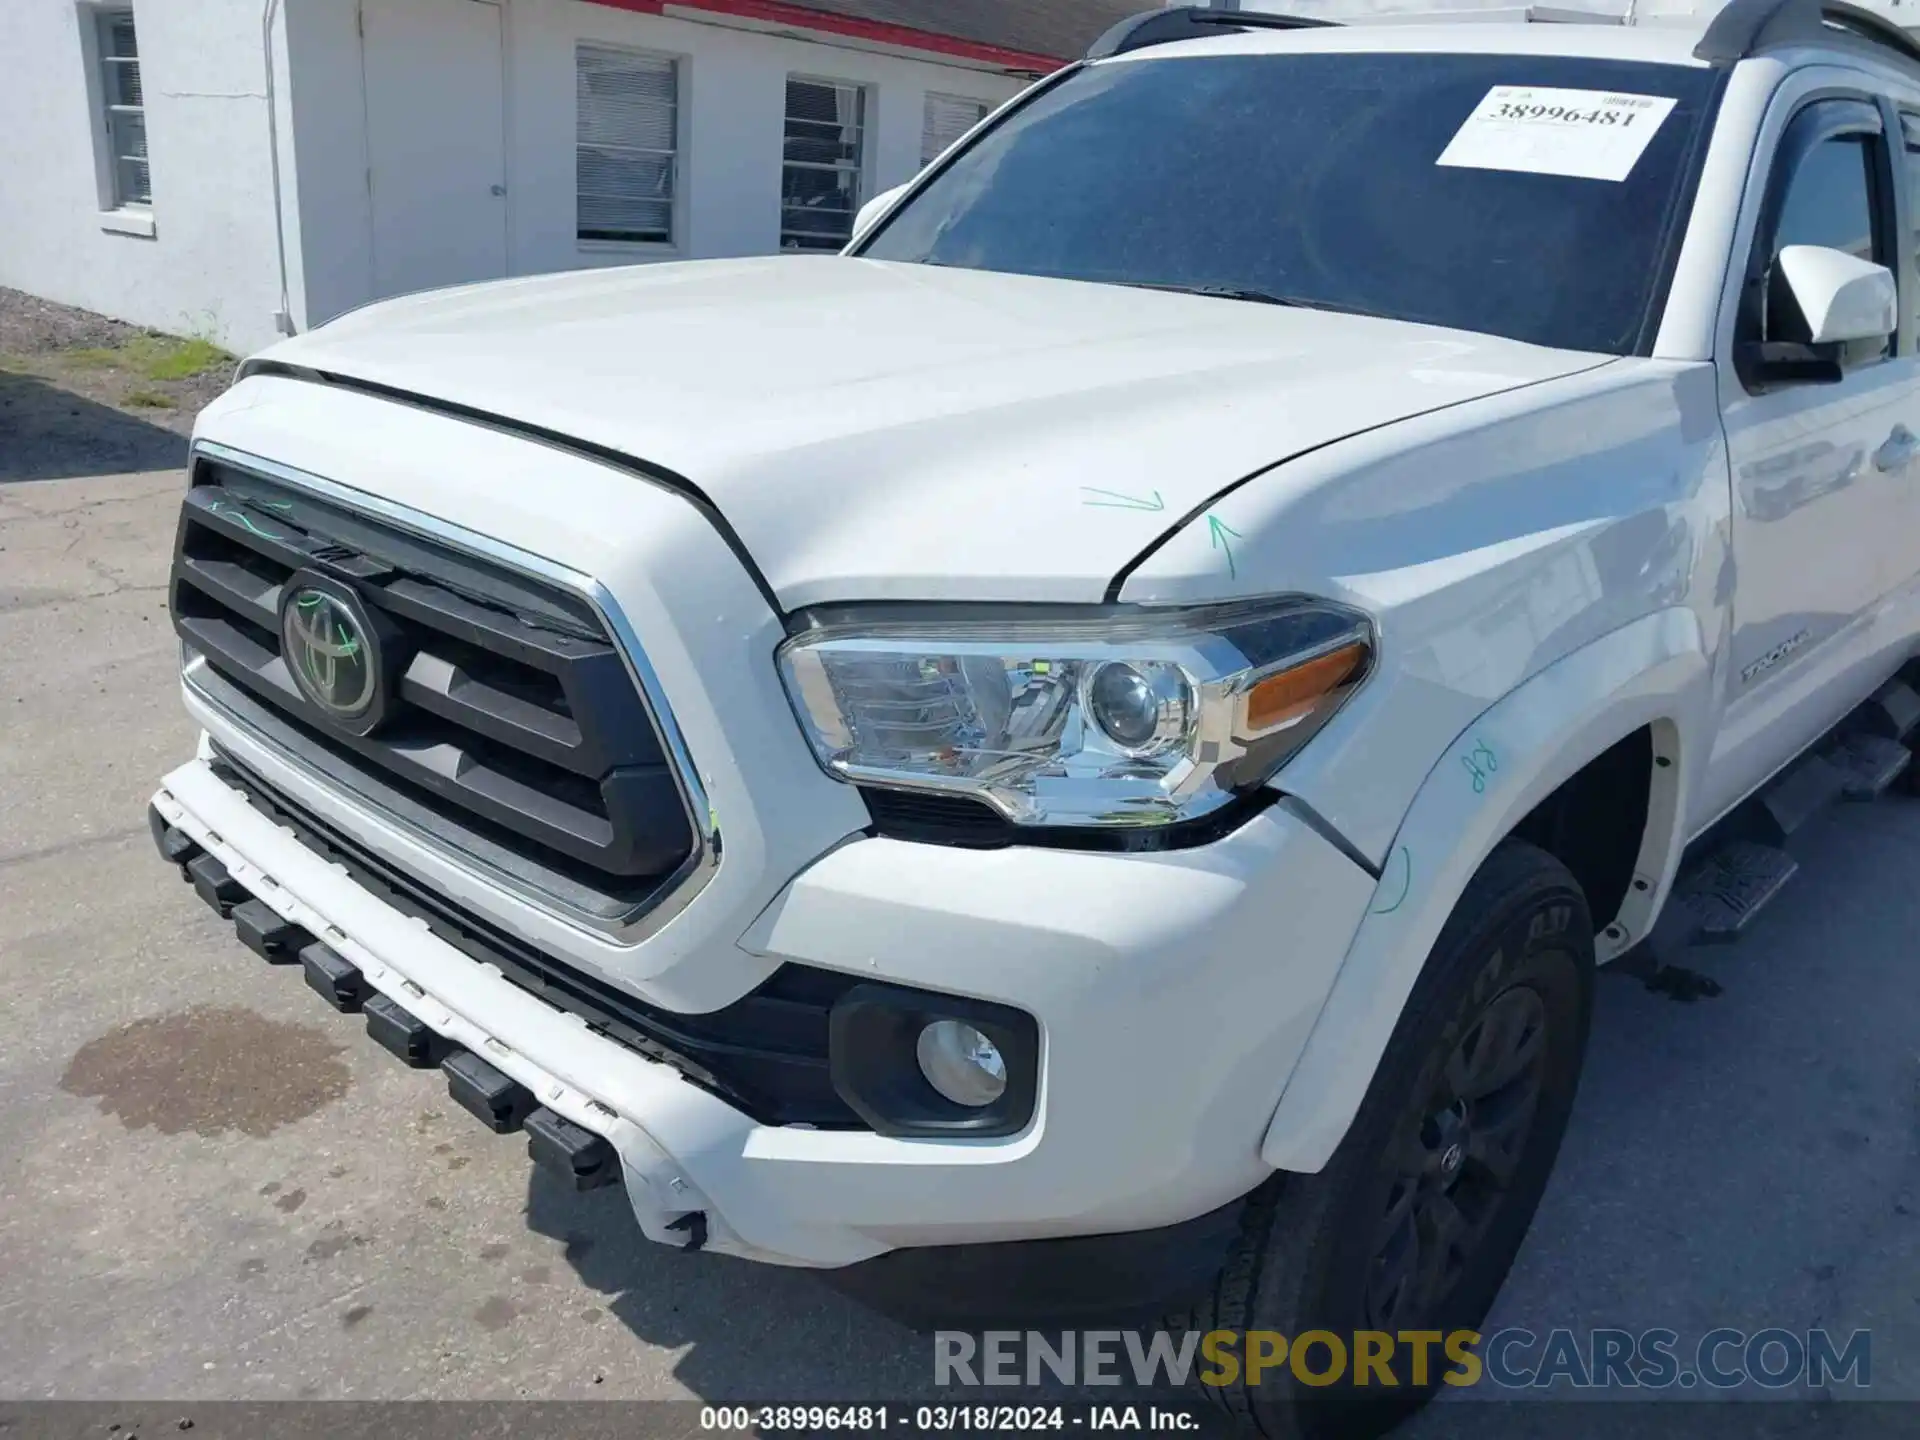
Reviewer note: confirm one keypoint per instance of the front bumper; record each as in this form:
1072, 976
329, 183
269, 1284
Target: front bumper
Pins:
1173, 994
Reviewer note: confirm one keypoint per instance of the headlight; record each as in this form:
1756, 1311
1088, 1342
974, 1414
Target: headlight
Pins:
1057, 717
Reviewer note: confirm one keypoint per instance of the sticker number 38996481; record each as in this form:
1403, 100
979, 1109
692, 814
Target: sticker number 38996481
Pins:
1590, 134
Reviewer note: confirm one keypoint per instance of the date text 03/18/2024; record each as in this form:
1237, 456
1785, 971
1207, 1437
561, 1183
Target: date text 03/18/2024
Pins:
945, 1418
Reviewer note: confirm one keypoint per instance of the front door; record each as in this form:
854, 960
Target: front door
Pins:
1822, 473
436, 142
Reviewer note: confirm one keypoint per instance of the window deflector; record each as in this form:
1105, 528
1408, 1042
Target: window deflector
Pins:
1764, 364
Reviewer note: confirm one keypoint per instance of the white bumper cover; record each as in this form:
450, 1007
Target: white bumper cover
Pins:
1174, 993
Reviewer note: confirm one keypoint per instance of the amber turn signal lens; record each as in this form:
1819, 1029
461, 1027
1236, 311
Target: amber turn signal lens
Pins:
1282, 699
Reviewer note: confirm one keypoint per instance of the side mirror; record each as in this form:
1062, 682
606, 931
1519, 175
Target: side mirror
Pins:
1842, 296
1842, 301
876, 207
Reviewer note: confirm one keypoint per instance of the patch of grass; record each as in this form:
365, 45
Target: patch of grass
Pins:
156, 356
167, 357
93, 358
13, 365
148, 400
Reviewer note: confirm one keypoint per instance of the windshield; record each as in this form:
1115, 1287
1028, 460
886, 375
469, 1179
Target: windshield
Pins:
1319, 178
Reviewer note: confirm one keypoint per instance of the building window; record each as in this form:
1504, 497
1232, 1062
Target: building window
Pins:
627, 144
126, 115
948, 118
826, 141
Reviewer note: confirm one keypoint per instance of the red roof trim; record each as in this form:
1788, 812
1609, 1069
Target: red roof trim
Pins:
801, 18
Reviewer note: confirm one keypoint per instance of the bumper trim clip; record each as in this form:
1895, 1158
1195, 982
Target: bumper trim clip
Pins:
175, 845
213, 884
570, 1151
334, 978
261, 930
500, 1102
404, 1034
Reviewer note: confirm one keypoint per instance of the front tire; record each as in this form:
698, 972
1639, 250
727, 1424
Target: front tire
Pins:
1416, 1219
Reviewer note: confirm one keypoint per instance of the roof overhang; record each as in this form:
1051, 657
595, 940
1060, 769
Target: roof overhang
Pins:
822, 27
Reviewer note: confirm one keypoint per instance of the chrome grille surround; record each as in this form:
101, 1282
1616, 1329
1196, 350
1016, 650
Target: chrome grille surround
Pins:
676, 890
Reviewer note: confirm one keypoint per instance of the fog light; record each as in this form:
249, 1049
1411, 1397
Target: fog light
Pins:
961, 1063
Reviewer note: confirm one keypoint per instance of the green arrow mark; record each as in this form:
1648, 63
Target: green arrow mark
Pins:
1220, 530
1115, 501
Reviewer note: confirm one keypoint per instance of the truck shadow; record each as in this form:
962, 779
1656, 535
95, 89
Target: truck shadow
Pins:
750, 1332
47, 433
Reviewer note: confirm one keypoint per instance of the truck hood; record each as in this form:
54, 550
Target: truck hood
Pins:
875, 430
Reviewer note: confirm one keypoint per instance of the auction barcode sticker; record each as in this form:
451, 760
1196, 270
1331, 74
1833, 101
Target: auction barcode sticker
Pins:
1591, 134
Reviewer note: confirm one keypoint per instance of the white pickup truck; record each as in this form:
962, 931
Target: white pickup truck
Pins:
1094, 743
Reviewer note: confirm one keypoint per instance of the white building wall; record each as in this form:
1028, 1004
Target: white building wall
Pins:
733, 104
734, 101
209, 267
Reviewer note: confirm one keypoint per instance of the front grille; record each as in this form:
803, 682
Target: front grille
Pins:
765, 1054
514, 729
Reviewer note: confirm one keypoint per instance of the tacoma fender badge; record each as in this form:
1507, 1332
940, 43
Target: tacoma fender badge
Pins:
1774, 656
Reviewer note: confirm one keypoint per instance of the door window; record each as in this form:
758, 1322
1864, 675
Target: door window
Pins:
1835, 195
1830, 200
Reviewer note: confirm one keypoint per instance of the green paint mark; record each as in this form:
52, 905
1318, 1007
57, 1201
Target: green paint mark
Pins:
1220, 530
1405, 868
1114, 500
1480, 762
220, 507
1138, 819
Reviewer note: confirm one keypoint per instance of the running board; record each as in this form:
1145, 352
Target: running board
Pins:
1869, 763
1727, 890
1894, 711
1737, 869
1801, 791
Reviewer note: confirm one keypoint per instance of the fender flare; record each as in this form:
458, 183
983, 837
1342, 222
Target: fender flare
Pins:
1654, 670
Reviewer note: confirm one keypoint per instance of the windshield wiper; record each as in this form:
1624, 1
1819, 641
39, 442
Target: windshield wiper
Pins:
1258, 297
